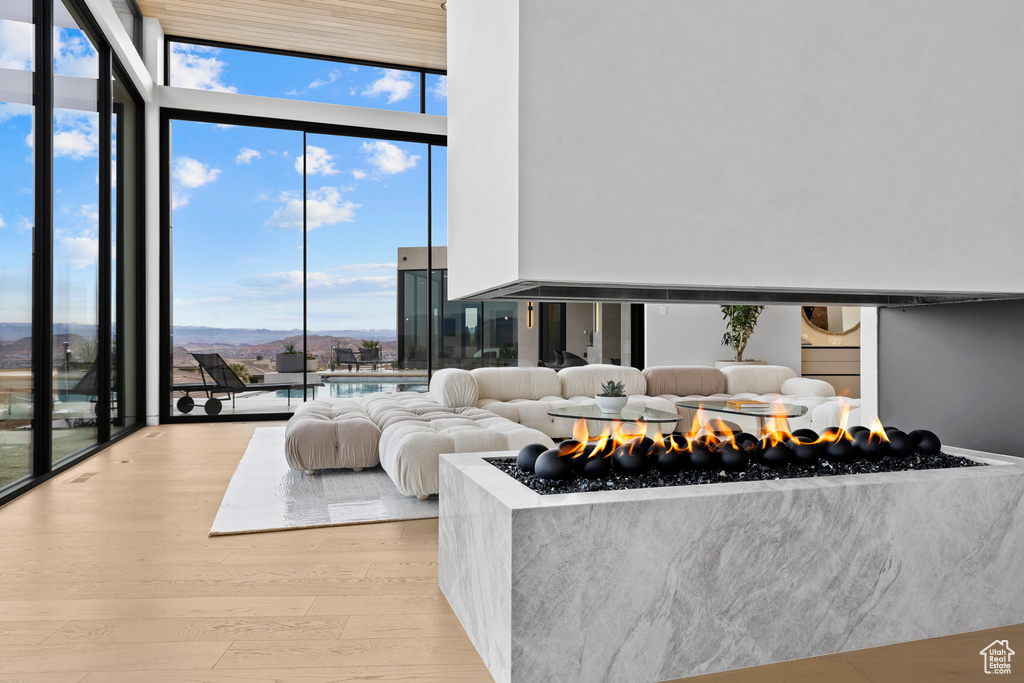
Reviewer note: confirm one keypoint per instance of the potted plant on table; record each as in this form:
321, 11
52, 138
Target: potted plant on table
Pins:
741, 321
289, 359
312, 362
612, 398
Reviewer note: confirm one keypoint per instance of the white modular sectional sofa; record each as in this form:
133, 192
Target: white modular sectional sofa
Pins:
496, 409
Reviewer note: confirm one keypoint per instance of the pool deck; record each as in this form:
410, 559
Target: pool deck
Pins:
379, 374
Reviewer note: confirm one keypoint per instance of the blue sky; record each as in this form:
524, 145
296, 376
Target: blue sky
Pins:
238, 199
237, 195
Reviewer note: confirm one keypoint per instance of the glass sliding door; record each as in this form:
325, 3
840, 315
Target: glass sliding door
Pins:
17, 223
237, 262
76, 244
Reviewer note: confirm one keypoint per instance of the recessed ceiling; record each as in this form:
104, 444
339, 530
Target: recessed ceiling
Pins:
406, 32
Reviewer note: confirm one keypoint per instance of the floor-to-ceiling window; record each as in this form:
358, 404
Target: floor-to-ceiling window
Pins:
69, 241
17, 220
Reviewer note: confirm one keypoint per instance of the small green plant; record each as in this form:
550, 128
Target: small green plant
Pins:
371, 344
741, 323
311, 356
613, 388
242, 370
289, 347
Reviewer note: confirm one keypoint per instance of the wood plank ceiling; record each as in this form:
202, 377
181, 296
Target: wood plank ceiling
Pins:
406, 32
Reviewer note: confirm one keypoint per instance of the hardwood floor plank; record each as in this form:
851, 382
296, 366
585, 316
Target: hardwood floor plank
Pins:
351, 652
444, 673
28, 632
280, 587
382, 604
61, 677
402, 626
354, 569
110, 656
407, 569
197, 629
321, 558
255, 606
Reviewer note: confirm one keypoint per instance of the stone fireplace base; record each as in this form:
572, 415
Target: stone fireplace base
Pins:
654, 584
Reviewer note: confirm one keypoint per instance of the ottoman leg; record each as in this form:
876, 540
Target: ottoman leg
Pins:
310, 471
422, 496
357, 469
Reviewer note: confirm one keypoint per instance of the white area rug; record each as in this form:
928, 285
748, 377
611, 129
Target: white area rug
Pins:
264, 495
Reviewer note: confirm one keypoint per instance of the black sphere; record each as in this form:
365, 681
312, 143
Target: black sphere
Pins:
830, 433
528, 456
596, 467
775, 456
899, 443
808, 434
804, 449
840, 451
925, 441
854, 431
702, 458
569, 447
668, 460
707, 440
744, 440
550, 465
733, 459
869, 445
632, 464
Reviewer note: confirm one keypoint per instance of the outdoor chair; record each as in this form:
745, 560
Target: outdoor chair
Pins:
223, 380
371, 357
346, 357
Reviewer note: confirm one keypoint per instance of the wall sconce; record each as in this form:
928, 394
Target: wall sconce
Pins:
529, 315
597, 318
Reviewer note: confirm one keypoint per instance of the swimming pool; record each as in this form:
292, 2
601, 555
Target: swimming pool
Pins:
355, 387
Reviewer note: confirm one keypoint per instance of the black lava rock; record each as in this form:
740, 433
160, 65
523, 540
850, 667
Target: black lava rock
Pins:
528, 456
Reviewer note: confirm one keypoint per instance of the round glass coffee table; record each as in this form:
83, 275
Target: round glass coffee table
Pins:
764, 411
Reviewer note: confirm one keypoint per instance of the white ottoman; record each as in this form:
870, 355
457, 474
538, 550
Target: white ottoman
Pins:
410, 449
322, 435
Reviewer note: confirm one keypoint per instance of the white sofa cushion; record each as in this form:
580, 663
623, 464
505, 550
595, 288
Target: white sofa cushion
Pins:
531, 413
805, 386
454, 388
756, 379
324, 435
507, 384
586, 380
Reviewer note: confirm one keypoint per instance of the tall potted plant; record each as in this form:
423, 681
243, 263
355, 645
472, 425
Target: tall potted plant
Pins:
289, 359
740, 324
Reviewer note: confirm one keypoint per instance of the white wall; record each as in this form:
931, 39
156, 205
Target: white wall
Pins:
483, 169
880, 141
691, 334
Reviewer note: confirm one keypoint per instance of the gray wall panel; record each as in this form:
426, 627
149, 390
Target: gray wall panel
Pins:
938, 363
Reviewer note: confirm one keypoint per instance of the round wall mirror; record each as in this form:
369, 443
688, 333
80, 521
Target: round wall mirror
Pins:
832, 319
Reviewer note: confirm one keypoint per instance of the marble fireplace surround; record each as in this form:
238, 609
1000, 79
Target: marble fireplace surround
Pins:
654, 584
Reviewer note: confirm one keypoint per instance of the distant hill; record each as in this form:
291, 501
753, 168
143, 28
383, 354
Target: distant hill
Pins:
317, 344
187, 335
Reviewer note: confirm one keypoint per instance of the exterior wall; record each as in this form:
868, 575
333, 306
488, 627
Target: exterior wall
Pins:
691, 334
741, 144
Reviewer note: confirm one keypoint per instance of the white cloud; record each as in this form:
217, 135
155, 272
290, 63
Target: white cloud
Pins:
8, 110
79, 251
73, 54
358, 173
17, 40
370, 284
246, 155
440, 89
397, 85
192, 173
189, 69
389, 158
331, 78
75, 133
24, 225
323, 207
365, 267
178, 199
3, 224
318, 161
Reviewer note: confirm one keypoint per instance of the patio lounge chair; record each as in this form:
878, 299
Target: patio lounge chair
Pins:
371, 357
346, 357
223, 380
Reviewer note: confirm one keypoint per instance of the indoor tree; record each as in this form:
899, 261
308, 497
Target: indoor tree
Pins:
741, 321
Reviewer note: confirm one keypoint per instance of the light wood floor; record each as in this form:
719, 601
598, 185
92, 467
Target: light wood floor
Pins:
107, 574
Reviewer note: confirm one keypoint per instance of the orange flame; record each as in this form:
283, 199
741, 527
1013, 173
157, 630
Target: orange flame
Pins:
579, 431
602, 442
718, 428
777, 421
844, 413
879, 431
